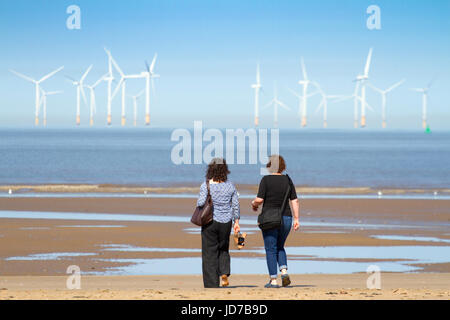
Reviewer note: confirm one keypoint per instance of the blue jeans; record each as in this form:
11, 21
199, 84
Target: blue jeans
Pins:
274, 244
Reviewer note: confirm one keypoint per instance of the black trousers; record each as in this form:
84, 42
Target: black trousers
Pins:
215, 254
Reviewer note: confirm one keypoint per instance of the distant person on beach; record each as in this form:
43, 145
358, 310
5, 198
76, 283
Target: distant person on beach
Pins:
216, 235
271, 193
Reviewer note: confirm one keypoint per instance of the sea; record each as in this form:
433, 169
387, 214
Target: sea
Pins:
145, 157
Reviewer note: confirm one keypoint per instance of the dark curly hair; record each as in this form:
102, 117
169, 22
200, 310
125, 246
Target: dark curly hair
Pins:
217, 170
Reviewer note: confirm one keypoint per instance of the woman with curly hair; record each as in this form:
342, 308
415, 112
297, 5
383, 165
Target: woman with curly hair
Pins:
216, 235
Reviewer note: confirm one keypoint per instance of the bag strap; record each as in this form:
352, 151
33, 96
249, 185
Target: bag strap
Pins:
283, 206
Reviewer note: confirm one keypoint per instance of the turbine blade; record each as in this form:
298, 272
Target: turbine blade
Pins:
281, 104
51, 74
395, 85
116, 66
374, 88
295, 93
85, 74
70, 78
312, 94
258, 80
319, 106
152, 66
23, 76
431, 82
153, 85
269, 104
367, 67
117, 88
305, 76
83, 94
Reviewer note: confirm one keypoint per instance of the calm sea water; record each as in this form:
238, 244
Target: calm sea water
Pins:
143, 157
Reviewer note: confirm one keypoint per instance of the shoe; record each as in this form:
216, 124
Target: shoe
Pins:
270, 285
225, 282
285, 280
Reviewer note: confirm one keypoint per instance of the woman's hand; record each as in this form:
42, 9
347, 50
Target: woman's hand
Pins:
296, 225
254, 206
236, 227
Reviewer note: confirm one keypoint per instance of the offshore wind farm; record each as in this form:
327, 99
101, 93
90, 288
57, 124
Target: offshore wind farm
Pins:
116, 74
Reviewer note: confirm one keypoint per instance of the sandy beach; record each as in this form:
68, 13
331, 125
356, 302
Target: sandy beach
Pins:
327, 223
242, 287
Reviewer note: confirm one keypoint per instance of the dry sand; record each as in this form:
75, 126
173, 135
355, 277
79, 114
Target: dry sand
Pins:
242, 287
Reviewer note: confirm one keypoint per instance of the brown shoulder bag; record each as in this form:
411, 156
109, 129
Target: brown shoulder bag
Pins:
204, 214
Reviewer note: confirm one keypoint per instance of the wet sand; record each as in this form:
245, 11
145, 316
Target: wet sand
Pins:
23, 237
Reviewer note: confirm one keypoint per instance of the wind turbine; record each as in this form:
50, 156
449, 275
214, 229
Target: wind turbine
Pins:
135, 98
362, 80
122, 84
383, 98
80, 90
257, 86
324, 103
275, 103
424, 92
37, 83
93, 104
44, 103
304, 83
149, 75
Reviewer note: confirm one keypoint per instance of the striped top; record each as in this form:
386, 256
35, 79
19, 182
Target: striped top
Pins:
225, 200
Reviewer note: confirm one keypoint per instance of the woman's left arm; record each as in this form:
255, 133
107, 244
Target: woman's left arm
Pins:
295, 205
236, 210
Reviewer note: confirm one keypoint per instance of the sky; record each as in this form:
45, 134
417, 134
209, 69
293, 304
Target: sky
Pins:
207, 56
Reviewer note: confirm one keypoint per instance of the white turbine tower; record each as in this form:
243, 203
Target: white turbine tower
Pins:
257, 86
92, 101
383, 98
80, 90
324, 103
149, 75
109, 79
362, 80
135, 99
37, 83
304, 83
122, 84
44, 103
424, 92
275, 103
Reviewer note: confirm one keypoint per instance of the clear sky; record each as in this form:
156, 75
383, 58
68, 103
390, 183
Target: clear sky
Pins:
207, 55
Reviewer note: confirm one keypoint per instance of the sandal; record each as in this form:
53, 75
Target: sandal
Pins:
285, 280
225, 282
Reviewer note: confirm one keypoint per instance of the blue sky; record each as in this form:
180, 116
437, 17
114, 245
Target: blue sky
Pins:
207, 54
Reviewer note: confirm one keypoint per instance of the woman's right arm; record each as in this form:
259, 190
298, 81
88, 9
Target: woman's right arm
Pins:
261, 195
202, 195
